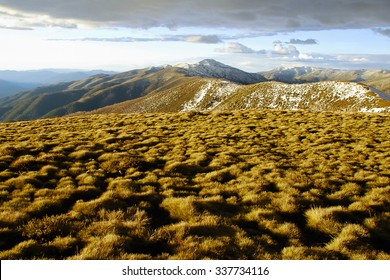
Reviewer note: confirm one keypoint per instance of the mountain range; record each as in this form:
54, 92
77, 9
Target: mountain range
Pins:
8, 88
12, 82
379, 79
206, 85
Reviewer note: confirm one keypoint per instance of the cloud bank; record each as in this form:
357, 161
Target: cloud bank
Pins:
302, 42
237, 48
276, 15
281, 49
14, 27
383, 31
204, 39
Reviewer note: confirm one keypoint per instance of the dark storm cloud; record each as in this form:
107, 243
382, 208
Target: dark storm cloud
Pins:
276, 15
383, 31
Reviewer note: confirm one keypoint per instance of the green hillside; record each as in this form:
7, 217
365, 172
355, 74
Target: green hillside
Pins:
84, 95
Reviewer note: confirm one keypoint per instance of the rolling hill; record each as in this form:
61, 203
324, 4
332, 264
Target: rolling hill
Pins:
103, 90
216, 94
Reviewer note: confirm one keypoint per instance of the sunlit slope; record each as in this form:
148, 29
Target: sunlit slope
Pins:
216, 94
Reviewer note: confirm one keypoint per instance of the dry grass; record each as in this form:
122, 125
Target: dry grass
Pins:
220, 185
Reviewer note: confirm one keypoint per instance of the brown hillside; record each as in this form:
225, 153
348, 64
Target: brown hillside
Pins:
201, 94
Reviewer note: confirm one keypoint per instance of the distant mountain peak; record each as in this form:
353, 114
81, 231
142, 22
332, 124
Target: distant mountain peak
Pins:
210, 68
211, 62
203, 63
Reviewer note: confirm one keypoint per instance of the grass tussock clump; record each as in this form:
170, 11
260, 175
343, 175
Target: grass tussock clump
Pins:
222, 185
120, 162
25, 162
325, 219
182, 209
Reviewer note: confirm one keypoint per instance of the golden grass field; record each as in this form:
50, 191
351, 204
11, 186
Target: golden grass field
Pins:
220, 185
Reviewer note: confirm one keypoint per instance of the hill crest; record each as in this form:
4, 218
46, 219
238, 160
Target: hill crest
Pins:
218, 94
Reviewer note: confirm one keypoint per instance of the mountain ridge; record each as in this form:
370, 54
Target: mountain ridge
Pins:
379, 79
210, 68
8, 88
103, 90
48, 76
216, 94
189, 86
13, 82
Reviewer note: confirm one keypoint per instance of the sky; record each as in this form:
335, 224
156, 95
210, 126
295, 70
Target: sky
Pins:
253, 35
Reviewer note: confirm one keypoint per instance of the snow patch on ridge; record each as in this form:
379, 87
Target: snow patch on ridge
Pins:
194, 103
329, 95
214, 91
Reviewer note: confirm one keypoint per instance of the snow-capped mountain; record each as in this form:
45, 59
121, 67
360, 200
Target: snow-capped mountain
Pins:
210, 68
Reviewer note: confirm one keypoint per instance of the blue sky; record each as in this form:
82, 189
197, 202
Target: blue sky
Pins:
254, 35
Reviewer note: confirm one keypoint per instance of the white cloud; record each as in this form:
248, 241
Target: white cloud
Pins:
281, 49
204, 39
238, 48
305, 56
359, 59
256, 63
15, 27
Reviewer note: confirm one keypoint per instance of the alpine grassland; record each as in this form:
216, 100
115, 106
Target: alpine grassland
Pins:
255, 184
